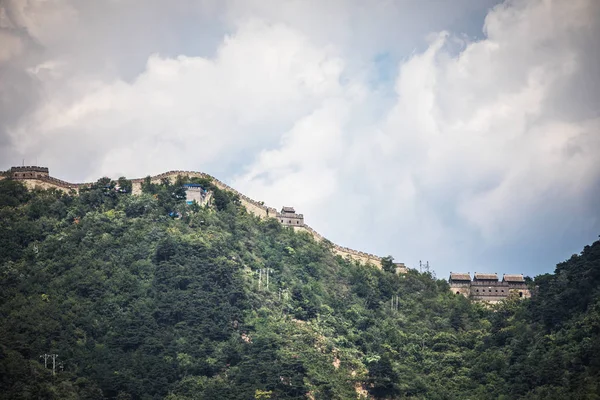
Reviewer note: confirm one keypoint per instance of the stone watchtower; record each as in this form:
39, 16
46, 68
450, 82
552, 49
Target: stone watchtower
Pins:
460, 283
195, 192
516, 284
28, 172
288, 217
487, 288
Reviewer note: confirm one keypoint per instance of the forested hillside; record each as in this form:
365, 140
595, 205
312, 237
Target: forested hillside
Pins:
145, 297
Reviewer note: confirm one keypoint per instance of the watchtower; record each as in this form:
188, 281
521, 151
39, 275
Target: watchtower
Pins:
486, 287
516, 284
194, 192
460, 283
29, 172
288, 217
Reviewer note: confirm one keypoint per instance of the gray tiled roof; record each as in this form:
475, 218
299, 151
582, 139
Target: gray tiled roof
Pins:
485, 276
513, 278
459, 276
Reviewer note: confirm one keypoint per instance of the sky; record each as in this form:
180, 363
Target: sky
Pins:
462, 133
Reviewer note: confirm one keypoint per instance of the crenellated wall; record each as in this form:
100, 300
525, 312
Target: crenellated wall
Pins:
359, 256
489, 290
252, 206
50, 183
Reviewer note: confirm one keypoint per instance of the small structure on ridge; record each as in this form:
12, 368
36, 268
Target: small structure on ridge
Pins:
195, 192
288, 217
486, 287
30, 172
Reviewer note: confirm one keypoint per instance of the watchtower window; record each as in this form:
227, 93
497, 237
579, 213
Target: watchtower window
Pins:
520, 294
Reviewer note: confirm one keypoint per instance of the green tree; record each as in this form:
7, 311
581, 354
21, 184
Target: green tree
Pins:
387, 264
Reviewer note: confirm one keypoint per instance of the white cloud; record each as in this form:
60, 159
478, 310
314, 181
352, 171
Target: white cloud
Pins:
189, 112
470, 155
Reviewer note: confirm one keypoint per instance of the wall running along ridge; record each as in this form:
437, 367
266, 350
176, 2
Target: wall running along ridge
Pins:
252, 206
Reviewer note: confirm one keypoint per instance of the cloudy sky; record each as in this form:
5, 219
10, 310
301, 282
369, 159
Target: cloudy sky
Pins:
465, 133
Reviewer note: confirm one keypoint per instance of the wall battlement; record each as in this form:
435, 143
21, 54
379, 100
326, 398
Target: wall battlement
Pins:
29, 172
38, 177
486, 287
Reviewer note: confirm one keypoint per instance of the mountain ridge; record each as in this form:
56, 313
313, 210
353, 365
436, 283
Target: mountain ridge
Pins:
39, 177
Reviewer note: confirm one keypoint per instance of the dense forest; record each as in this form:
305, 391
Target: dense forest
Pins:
147, 297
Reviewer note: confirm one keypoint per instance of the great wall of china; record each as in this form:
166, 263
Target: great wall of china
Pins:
38, 177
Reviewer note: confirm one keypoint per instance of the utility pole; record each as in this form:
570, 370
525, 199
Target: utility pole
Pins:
263, 277
394, 303
54, 363
45, 357
267, 279
53, 357
259, 278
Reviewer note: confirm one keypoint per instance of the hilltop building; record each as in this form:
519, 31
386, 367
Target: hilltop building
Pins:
486, 287
400, 268
288, 217
195, 192
30, 172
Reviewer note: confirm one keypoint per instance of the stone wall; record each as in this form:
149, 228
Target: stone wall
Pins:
262, 211
136, 188
49, 183
461, 287
290, 219
252, 206
364, 258
489, 291
29, 172
465, 291
524, 293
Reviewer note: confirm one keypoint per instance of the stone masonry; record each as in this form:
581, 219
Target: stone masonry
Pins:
486, 287
39, 177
